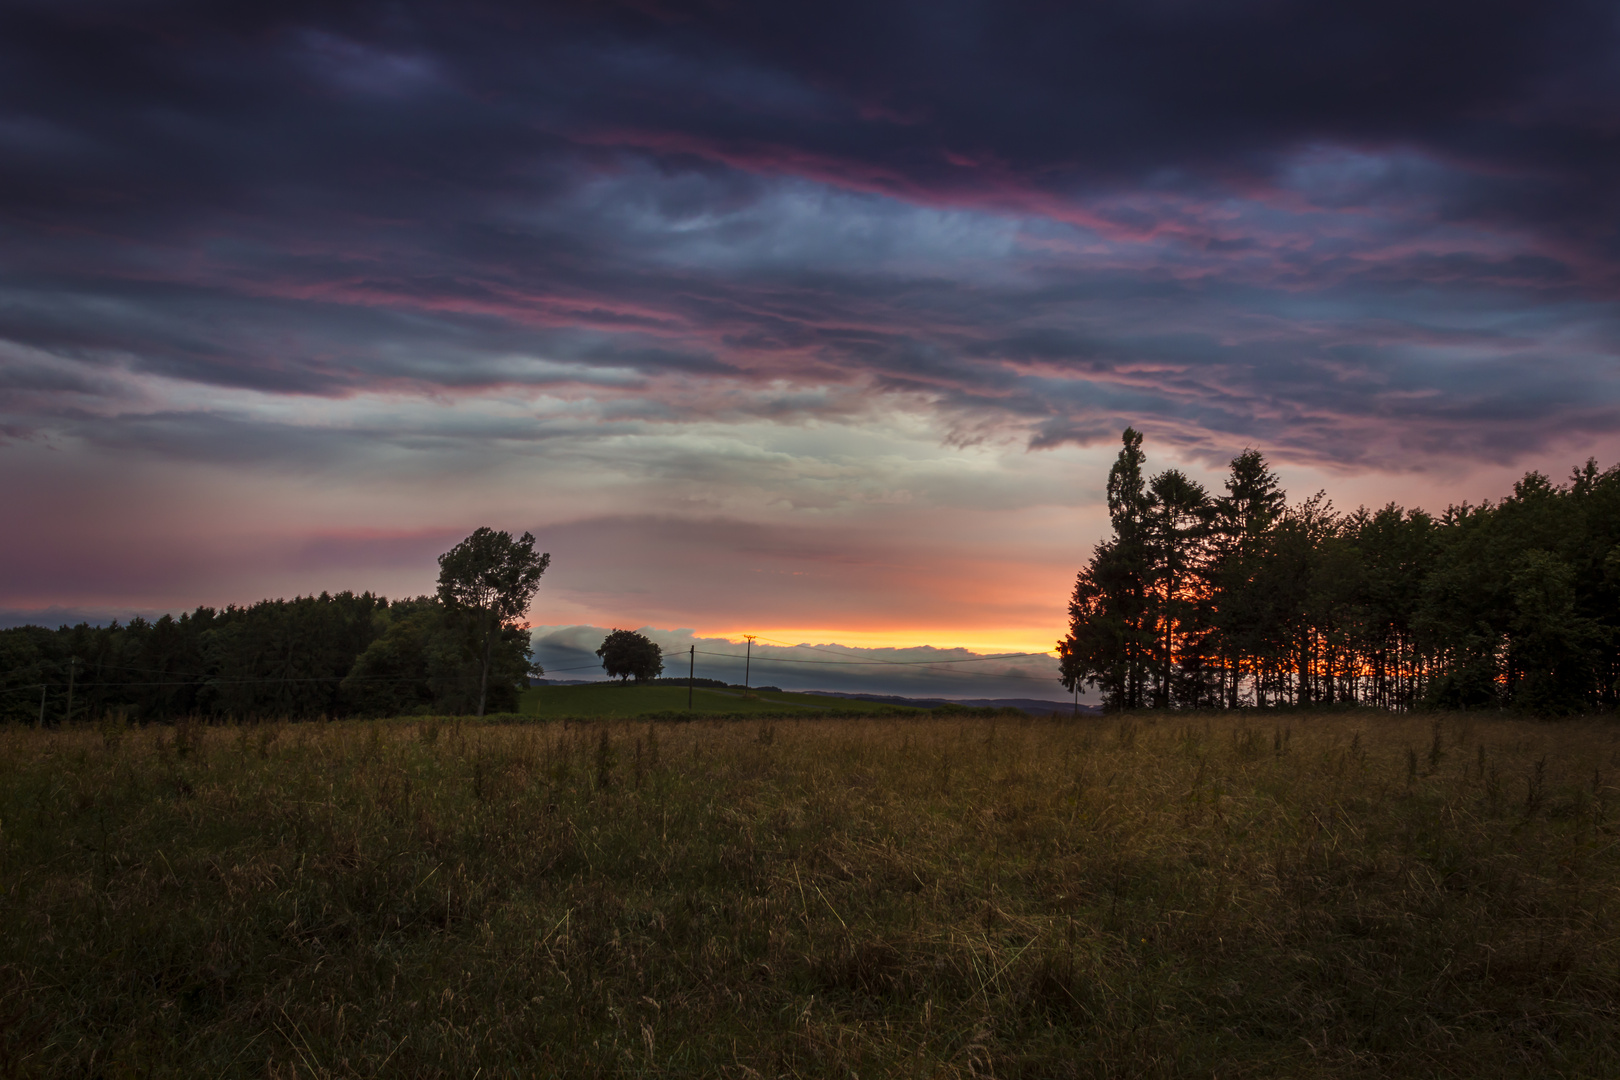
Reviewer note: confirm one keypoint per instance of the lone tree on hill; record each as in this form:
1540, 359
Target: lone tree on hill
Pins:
625, 653
491, 578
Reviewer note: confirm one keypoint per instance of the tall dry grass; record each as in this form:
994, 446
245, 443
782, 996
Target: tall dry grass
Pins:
1346, 895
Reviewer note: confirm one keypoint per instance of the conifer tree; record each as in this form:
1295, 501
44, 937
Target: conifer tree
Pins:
1179, 515
1242, 528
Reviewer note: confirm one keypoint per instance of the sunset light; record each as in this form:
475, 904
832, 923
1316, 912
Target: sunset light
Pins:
977, 641
673, 539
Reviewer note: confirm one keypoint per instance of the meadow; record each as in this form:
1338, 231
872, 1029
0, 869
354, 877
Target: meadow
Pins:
1339, 895
629, 700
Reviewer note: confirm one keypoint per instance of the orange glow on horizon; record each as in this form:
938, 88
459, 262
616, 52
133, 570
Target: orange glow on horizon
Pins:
991, 641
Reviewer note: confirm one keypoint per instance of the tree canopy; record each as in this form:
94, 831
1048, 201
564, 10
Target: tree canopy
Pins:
627, 654
490, 579
1243, 599
327, 655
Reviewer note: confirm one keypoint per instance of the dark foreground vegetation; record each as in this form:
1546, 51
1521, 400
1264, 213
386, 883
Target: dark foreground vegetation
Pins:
1234, 895
1241, 599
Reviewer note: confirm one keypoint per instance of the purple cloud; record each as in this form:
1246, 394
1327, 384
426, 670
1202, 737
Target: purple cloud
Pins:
683, 256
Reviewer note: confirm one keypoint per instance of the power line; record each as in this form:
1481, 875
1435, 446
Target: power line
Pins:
29, 686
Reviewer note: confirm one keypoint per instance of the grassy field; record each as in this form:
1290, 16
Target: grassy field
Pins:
1347, 895
629, 700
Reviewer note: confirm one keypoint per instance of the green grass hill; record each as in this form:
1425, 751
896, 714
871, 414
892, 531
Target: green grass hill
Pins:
616, 700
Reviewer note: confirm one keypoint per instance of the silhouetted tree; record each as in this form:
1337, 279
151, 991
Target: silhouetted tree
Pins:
1097, 651
1244, 517
1177, 521
425, 661
1129, 505
1248, 600
626, 653
1111, 639
490, 578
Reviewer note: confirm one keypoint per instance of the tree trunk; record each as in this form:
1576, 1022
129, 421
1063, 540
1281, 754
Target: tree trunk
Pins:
1169, 636
483, 680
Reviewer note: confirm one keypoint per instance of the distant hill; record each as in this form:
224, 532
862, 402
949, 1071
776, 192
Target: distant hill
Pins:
681, 681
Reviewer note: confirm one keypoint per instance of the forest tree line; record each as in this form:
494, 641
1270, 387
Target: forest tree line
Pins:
342, 655
327, 655
1201, 600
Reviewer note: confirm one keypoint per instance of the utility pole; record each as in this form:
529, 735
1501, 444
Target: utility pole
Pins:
691, 666
1077, 699
42, 688
73, 665
748, 659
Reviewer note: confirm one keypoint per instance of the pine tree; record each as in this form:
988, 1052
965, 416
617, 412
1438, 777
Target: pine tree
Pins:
1241, 531
1111, 641
1179, 516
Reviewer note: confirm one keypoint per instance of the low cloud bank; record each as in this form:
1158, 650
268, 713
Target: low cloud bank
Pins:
569, 652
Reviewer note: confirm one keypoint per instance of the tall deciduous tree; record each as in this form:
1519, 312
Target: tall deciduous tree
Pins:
626, 653
491, 578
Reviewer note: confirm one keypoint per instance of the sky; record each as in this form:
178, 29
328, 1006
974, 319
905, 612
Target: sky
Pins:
815, 321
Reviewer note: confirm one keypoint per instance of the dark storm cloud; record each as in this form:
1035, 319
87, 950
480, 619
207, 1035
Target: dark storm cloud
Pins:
377, 108
988, 101
1350, 231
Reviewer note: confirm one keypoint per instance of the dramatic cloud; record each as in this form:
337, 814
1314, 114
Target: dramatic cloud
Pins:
812, 280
